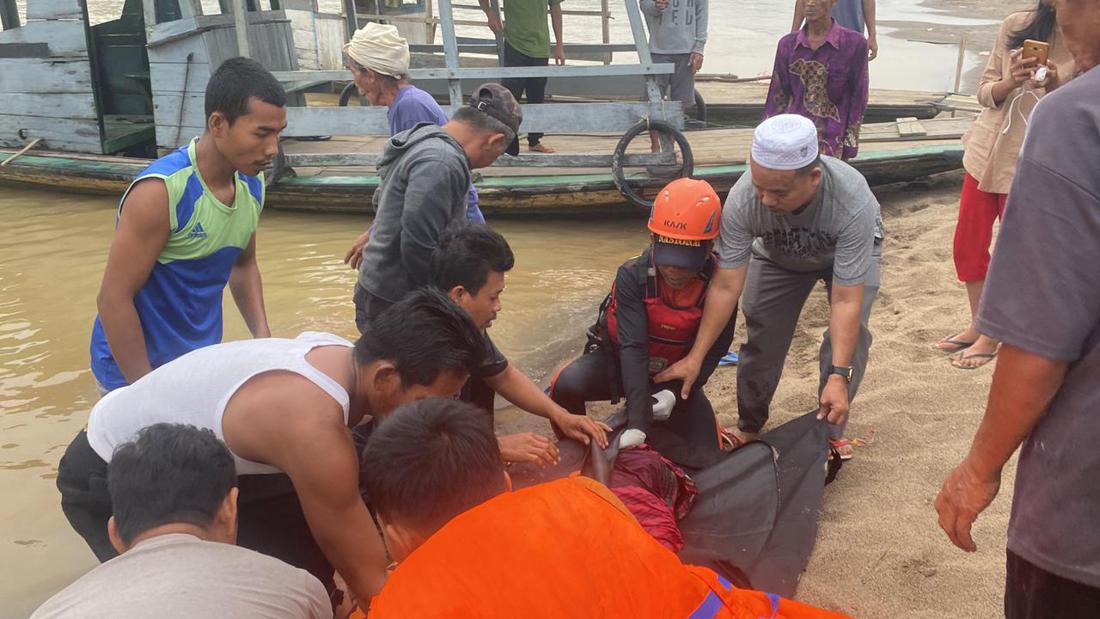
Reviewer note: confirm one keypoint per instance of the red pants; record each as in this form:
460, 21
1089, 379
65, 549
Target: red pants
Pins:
978, 211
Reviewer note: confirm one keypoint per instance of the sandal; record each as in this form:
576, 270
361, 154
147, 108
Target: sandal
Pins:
953, 345
843, 448
986, 357
728, 440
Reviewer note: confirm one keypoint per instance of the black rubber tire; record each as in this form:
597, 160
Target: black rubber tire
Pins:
347, 93
700, 107
644, 126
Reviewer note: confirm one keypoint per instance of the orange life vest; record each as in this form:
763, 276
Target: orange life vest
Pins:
567, 548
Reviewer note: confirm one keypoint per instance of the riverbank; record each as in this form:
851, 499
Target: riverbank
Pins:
984, 17
880, 553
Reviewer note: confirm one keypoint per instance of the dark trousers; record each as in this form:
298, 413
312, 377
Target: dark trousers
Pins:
269, 516
367, 306
590, 377
772, 304
535, 87
82, 480
1034, 593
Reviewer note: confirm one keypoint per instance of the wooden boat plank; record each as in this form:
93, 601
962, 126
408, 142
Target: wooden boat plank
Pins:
59, 133
708, 147
64, 38
910, 127
39, 76
72, 106
356, 121
757, 92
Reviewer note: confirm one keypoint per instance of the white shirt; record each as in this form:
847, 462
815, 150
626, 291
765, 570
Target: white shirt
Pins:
195, 388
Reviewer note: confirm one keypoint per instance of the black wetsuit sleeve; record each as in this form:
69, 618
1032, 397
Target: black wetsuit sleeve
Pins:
717, 351
633, 344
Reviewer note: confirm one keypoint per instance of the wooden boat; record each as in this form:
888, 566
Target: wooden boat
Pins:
137, 88
890, 153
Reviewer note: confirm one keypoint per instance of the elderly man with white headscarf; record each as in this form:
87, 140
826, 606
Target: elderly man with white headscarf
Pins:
793, 219
378, 58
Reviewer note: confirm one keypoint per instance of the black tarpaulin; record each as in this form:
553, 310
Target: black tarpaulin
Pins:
755, 518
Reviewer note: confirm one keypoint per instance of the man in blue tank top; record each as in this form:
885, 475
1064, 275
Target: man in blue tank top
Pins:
185, 228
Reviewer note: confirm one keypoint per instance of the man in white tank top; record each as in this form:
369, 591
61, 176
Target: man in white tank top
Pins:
284, 409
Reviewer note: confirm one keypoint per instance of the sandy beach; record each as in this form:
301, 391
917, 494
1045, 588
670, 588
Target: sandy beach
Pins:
880, 553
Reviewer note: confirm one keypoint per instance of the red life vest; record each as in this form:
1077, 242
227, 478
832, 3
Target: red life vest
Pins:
671, 329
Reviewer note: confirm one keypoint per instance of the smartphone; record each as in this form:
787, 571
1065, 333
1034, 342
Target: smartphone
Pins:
1037, 50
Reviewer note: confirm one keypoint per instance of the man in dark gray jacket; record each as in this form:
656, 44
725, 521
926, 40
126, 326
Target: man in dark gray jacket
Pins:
425, 174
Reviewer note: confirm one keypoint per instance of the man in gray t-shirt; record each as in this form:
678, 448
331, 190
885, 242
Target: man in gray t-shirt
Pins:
793, 219
1042, 301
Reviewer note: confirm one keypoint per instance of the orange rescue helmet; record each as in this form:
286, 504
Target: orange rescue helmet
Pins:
686, 209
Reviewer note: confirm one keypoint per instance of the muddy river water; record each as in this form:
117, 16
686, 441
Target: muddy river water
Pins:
51, 262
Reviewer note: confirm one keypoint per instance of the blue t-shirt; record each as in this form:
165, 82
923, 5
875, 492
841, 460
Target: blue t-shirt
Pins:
413, 106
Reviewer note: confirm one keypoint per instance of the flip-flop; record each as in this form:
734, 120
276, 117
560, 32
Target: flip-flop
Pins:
844, 448
731, 358
956, 345
988, 356
728, 439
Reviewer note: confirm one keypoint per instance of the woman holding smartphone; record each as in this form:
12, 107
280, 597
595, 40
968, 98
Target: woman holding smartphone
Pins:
1009, 89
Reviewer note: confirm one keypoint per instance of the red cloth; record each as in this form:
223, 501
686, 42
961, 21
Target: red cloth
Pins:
656, 491
653, 514
978, 210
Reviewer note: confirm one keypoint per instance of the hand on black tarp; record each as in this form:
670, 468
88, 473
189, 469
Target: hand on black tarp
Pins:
834, 401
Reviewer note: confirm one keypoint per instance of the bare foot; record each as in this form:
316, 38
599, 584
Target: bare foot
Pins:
541, 148
982, 352
955, 343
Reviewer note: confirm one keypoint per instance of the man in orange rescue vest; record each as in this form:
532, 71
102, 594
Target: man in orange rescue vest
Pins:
467, 546
650, 319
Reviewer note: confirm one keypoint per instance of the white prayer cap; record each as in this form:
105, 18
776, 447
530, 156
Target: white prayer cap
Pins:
380, 48
785, 142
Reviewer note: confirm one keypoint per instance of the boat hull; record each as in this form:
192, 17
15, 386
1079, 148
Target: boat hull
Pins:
534, 194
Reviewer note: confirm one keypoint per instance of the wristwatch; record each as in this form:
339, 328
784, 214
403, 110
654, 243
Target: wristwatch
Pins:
844, 371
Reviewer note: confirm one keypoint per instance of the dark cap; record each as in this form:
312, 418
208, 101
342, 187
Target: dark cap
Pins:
669, 252
498, 102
